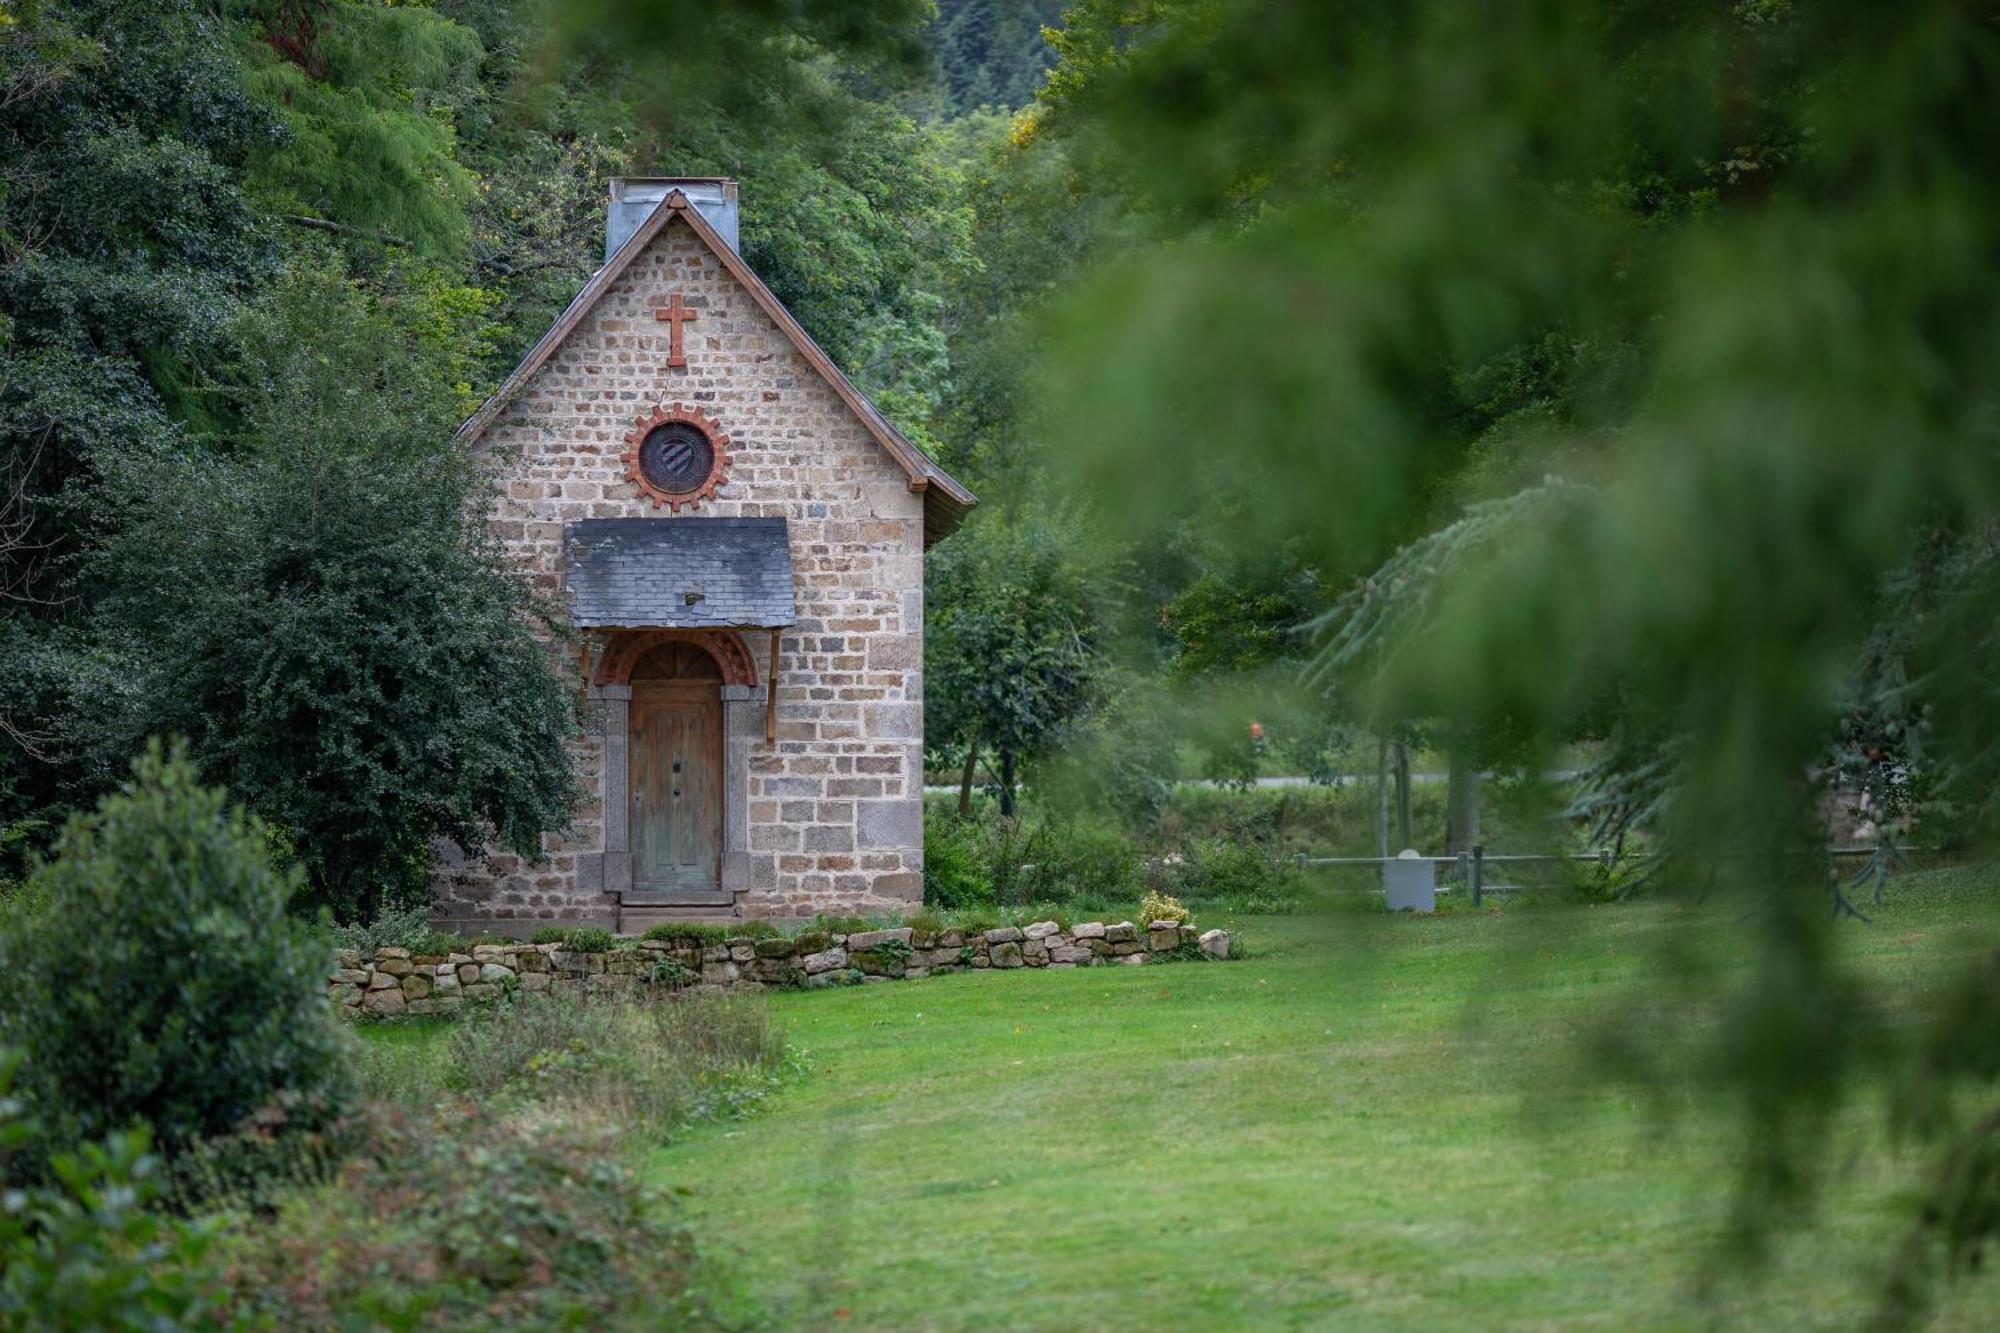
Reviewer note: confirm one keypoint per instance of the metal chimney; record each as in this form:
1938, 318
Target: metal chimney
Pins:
633, 199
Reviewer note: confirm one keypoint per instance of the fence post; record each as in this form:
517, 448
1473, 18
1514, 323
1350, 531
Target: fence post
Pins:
1478, 870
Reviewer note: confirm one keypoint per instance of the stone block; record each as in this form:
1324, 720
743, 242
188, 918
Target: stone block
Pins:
384, 1003
869, 939
1133, 958
534, 981
774, 948
1215, 943
1163, 941
1005, 935
826, 960
1069, 954
1034, 953
1005, 955
1124, 930
391, 951
395, 967
898, 823
1089, 930
416, 987
1041, 930
494, 973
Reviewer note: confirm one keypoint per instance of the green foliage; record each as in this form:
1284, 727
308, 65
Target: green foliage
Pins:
1010, 659
507, 1224
91, 1249
325, 618
991, 53
955, 872
1698, 263
647, 1066
368, 95
170, 990
707, 933
578, 939
408, 928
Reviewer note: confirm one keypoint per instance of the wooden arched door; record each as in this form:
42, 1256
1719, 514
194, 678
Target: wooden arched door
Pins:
676, 766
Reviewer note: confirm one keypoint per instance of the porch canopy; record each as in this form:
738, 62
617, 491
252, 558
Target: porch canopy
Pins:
679, 573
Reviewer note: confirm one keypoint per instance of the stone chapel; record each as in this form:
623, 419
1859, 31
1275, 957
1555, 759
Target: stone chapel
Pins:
738, 537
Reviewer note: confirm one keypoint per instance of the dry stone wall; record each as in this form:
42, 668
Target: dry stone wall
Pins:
394, 982
834, 807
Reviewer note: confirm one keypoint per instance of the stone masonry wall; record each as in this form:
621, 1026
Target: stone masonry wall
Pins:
394, 982
834, 807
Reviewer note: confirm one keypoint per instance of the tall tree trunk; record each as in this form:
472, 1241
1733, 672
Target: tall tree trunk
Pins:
1007, 783
1402, 794
1461, 801
965, 780
1382, 795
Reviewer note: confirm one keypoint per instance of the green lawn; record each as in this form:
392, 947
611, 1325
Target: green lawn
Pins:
1371, 1123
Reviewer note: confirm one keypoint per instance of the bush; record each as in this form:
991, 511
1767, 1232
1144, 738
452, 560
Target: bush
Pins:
91, 1251
504, 1224
708, 933
647, 1065
1220, 868
1080, 857
580, 939
956, 872
1157, 906
171, 989
409, 928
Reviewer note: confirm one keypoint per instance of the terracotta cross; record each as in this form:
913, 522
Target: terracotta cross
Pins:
675, 314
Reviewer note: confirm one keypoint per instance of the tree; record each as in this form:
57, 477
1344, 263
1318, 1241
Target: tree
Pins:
1010, 656
324, 617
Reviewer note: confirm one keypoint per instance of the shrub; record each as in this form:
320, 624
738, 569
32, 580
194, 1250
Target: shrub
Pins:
409, 928
706, 933
1212, 868
581, 939
504, 1224
1157, 906
956, 870
649, 1064
1080, 857
91, 1251
172, 989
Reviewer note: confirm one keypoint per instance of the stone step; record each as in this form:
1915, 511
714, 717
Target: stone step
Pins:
633, 919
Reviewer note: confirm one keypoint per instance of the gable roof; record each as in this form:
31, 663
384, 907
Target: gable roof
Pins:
946, 501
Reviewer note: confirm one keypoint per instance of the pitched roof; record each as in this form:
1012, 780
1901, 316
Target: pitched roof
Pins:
685, 573
946, 501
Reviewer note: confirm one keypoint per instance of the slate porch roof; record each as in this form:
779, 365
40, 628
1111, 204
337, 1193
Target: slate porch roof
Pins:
678, 573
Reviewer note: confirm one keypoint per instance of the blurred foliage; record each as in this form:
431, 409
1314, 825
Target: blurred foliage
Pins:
116, 998
91, 1249
1726, 272
990, 53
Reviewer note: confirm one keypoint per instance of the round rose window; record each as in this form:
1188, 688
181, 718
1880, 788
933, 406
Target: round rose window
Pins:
678, 455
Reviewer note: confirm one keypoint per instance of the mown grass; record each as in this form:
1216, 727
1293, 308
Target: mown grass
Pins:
1370, 1123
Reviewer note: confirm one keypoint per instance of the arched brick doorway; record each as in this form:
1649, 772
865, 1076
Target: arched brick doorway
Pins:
680, 708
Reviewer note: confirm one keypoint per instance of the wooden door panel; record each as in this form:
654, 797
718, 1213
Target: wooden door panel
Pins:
676, 766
